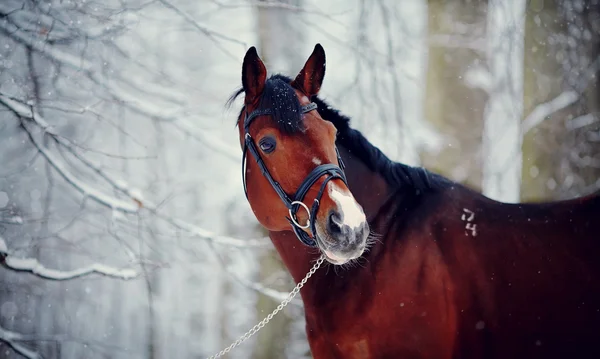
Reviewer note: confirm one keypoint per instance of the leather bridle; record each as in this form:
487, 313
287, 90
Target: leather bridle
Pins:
293, 203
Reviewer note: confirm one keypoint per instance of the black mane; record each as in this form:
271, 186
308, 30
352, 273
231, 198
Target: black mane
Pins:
394, 173
286, 103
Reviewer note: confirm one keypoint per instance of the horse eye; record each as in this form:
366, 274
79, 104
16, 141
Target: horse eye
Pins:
267, 144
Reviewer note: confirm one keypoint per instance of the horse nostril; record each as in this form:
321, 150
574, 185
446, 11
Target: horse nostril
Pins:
334, 223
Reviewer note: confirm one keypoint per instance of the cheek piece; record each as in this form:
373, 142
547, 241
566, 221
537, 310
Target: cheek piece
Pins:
293, 203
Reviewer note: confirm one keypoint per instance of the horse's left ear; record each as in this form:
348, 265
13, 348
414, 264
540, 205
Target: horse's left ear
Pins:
311, 76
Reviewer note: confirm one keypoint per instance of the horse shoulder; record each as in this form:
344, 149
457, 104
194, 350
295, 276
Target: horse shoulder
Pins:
415, 305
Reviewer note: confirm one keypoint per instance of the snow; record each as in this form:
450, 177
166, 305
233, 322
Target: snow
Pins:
15, 220
576, 123
11, 339
3, 247
26, 112
479, 77
84, 188
75, 62
32, 265
88, 190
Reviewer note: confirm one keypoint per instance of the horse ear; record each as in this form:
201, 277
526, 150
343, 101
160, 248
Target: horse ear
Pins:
254, 75
311, 76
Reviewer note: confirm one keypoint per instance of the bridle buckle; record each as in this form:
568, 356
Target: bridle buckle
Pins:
293, 216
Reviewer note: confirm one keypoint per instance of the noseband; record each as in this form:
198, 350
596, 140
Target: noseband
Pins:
293, 203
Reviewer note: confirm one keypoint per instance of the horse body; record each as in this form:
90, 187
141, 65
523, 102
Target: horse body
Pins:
451, 278
434, 289
529, 281
452, 274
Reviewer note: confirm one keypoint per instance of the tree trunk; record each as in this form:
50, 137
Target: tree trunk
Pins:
502, 156
453, 105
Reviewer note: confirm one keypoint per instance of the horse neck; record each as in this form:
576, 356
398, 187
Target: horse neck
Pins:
369, 188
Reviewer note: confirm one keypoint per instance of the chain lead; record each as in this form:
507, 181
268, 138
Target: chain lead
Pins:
268, 318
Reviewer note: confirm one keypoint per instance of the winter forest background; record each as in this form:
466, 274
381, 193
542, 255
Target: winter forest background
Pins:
124, 229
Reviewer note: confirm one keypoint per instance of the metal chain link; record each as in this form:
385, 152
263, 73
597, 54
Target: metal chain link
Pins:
268, 318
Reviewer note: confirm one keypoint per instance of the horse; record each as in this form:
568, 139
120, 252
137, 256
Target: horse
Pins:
418, 266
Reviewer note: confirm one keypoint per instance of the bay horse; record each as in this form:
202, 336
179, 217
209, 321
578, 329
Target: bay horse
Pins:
420, 266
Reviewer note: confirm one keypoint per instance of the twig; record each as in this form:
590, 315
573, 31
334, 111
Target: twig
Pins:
209, 33
11, 338
281, 6
543, 110
209, 141
83, 188
256, 286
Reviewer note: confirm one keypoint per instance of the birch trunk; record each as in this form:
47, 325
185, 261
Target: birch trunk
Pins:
502, 135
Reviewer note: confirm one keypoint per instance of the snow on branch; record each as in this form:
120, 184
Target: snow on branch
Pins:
542, 111
269, 292
211, 34
206, 234
11, 339
581, 121
479, 77
136, 203
256, 286
33, 266
39, 46
22, 111
132, 100
210, 141
565, 99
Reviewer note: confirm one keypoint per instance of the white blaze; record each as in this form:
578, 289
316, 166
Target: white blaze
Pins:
316, 161
351, 212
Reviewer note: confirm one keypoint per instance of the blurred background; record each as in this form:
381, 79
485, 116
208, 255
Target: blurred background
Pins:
124, 230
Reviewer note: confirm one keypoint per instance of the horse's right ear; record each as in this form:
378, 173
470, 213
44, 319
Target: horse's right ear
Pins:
254, 75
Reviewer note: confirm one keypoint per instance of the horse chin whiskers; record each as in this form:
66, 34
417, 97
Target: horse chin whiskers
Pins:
337, 258
372, 239
361, 260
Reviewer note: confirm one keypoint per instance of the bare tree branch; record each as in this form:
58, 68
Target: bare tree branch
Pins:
209, 141
581, 121
136, 205
213, 35
280, 5
544, 110
11, 338
131, 100
258, 287
83, 188
33, 266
